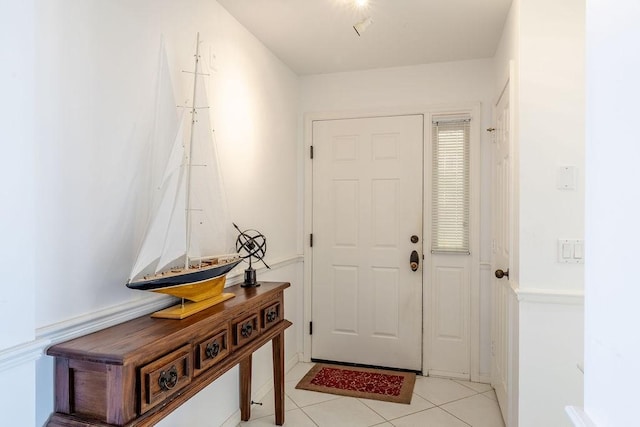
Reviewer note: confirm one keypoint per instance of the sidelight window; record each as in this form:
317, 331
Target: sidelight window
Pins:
450, 180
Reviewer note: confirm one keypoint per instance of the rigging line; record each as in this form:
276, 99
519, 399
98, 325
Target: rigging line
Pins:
193, 111
197, 74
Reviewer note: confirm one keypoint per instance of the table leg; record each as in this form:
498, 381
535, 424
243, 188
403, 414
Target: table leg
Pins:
245, 388
277, 346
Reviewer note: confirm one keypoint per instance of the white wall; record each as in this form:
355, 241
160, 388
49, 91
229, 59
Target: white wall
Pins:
77, 175
421, 85
96, 78
17, 218
551, 345
432, 85
546, 43
612, 347
545, 39
17, 53
551, 134
508, 46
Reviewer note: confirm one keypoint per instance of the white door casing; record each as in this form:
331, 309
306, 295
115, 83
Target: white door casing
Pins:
449, 285
501, 247
367, 203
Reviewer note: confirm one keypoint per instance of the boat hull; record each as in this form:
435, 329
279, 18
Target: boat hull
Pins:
196, 291
190, 277
200, 287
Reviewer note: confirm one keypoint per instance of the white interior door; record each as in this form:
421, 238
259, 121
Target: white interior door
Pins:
501, 242
367, 204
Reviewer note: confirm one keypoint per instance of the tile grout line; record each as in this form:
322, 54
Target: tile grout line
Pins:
454, 416
309, 416
336, 397
405, 415
373, 410
483, 394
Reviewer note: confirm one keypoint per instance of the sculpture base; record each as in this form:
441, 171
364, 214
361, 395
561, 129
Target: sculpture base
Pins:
250, 280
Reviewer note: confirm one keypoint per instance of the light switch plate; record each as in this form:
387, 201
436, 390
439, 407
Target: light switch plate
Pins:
571, 251
566, 178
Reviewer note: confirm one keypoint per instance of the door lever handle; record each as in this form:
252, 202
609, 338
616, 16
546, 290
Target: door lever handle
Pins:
500, 274
414, 261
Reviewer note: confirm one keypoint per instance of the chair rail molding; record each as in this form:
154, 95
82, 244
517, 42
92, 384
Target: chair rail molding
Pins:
22, 354
101, 319
550, 296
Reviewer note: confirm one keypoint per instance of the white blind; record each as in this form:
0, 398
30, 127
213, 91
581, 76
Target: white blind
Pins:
450, 169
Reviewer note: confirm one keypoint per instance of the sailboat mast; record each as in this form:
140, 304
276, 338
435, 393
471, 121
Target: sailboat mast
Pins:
188, 170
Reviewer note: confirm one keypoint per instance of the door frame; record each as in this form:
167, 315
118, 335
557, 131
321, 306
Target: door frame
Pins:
473, 109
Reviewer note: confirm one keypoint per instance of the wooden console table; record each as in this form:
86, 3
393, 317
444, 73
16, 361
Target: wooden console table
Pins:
138, 372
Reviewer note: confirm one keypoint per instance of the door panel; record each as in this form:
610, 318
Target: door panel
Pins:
367, 203
449, 350
501, 242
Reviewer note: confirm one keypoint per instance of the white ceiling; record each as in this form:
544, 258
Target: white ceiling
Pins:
317, 36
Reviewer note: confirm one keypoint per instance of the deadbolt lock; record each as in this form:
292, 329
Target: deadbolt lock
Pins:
414, 261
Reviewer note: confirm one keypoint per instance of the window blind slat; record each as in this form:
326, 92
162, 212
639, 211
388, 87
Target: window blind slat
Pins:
450, 193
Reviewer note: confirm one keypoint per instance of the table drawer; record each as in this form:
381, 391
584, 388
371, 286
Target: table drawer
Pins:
271, 314
164, 377
245, 330
211, 350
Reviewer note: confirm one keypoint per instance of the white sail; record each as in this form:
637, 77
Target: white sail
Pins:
211, 227
192, 209
175, 244
156, 235
165, 128
176, 157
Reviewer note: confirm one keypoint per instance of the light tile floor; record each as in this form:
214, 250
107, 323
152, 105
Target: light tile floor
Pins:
435, 402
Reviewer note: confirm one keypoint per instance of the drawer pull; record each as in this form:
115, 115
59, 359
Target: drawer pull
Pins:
212, 350
246, 330
272, 315
168, 379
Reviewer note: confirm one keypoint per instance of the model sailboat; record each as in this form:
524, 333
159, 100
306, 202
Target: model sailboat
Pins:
191, 220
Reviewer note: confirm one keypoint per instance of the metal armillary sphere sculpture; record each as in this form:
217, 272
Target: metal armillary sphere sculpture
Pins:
251, 244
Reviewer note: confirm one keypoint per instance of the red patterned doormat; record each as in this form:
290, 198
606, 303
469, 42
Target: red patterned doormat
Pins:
378, 384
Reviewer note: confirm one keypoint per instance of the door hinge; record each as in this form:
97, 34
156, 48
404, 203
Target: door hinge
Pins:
311, 239
310, 328
311, 151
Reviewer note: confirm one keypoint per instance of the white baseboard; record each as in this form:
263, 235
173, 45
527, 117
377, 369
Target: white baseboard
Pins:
293, 361
265, 388
233, 420
484, 379
452, 375
578, 417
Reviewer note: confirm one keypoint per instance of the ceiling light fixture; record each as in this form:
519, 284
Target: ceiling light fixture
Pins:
361, 26
361, 3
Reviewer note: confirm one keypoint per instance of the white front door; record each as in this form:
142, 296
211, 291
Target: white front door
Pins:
367, 205
501, 242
